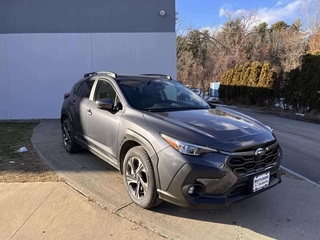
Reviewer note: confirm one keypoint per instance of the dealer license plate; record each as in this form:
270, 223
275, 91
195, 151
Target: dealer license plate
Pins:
261, 181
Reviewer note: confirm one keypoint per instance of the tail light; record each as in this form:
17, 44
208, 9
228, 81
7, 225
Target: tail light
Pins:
66, 95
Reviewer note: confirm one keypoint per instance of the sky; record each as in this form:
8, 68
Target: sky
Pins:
211, 13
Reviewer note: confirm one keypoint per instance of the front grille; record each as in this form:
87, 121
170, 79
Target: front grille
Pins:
247, 163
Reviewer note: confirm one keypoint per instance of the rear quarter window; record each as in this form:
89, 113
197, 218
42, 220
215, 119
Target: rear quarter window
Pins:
84, 89
76, 88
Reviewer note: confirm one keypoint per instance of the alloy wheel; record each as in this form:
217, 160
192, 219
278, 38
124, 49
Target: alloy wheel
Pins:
136, 178
66, 135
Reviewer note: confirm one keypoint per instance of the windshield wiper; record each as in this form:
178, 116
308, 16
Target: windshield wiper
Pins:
190, 108
174, 109
160, 109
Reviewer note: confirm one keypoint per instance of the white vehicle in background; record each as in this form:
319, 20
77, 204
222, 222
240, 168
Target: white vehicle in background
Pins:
196, 91
213, 100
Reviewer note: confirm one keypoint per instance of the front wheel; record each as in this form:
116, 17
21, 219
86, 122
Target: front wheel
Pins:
139, 178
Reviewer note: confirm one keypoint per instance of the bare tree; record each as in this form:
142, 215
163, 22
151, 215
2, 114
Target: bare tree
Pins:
314, 43
288, 44
310, 11
235, 33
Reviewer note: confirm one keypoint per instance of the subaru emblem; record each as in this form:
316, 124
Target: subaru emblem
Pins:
259, 152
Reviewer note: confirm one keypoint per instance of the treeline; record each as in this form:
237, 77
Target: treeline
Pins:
256, 64
251, 84
302, 85
259, 84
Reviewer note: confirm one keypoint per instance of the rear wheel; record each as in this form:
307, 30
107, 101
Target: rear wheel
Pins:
139, 178
68, 139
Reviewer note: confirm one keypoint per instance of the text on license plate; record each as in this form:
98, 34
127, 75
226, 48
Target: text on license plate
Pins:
261, 181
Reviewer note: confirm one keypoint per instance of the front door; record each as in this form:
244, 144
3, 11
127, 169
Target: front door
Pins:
102, 125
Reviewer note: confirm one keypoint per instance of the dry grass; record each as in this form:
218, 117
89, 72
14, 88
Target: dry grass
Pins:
284, 173
21, 167
312, 117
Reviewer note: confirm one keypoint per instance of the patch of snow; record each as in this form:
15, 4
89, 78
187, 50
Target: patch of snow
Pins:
22, 149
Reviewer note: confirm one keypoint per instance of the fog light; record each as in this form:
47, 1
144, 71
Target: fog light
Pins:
190, 190
194, 190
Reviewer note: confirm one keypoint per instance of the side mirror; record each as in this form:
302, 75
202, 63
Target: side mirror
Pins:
105, 104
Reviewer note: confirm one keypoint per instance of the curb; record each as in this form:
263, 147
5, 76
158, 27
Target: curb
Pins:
300, 176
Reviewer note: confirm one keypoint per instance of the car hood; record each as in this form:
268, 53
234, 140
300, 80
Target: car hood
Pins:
219, 128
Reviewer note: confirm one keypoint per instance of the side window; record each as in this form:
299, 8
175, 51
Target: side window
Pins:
104, 90
85, 89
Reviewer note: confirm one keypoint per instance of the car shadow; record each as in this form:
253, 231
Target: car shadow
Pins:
282, 212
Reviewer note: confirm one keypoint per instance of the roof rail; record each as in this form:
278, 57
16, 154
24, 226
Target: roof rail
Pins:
158, 75
111, 74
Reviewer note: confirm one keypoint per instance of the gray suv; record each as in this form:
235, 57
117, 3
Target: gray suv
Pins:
167, 142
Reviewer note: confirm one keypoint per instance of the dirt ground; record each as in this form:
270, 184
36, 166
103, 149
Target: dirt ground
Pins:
21, 166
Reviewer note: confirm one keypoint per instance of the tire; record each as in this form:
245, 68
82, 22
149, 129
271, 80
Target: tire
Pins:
139, 178
68, 139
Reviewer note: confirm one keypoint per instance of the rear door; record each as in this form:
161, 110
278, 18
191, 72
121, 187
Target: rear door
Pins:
79, 101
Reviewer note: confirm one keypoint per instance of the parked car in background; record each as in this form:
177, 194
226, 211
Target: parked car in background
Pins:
167, 142
213, 100
196, 91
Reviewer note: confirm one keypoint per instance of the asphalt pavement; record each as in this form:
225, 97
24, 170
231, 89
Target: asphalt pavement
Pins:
92, 204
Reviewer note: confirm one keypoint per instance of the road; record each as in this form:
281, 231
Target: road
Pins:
300, 142
290, 210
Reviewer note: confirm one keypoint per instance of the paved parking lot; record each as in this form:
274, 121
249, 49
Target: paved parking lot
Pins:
290, 210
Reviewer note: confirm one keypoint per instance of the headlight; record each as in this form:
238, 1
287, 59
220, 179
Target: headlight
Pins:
187, 148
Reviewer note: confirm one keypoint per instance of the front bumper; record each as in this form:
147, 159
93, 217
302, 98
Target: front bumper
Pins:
213, 183
178, 194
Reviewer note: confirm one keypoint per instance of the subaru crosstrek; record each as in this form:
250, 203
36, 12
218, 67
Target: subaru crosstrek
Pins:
167, 142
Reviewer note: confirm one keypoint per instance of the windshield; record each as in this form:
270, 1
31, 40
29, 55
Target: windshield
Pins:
160, 95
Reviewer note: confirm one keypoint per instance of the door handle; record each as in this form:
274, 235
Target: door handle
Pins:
89, 111
73, 102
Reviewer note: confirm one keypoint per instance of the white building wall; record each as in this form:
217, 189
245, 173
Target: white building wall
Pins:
37, 69
135, 52
4, 81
